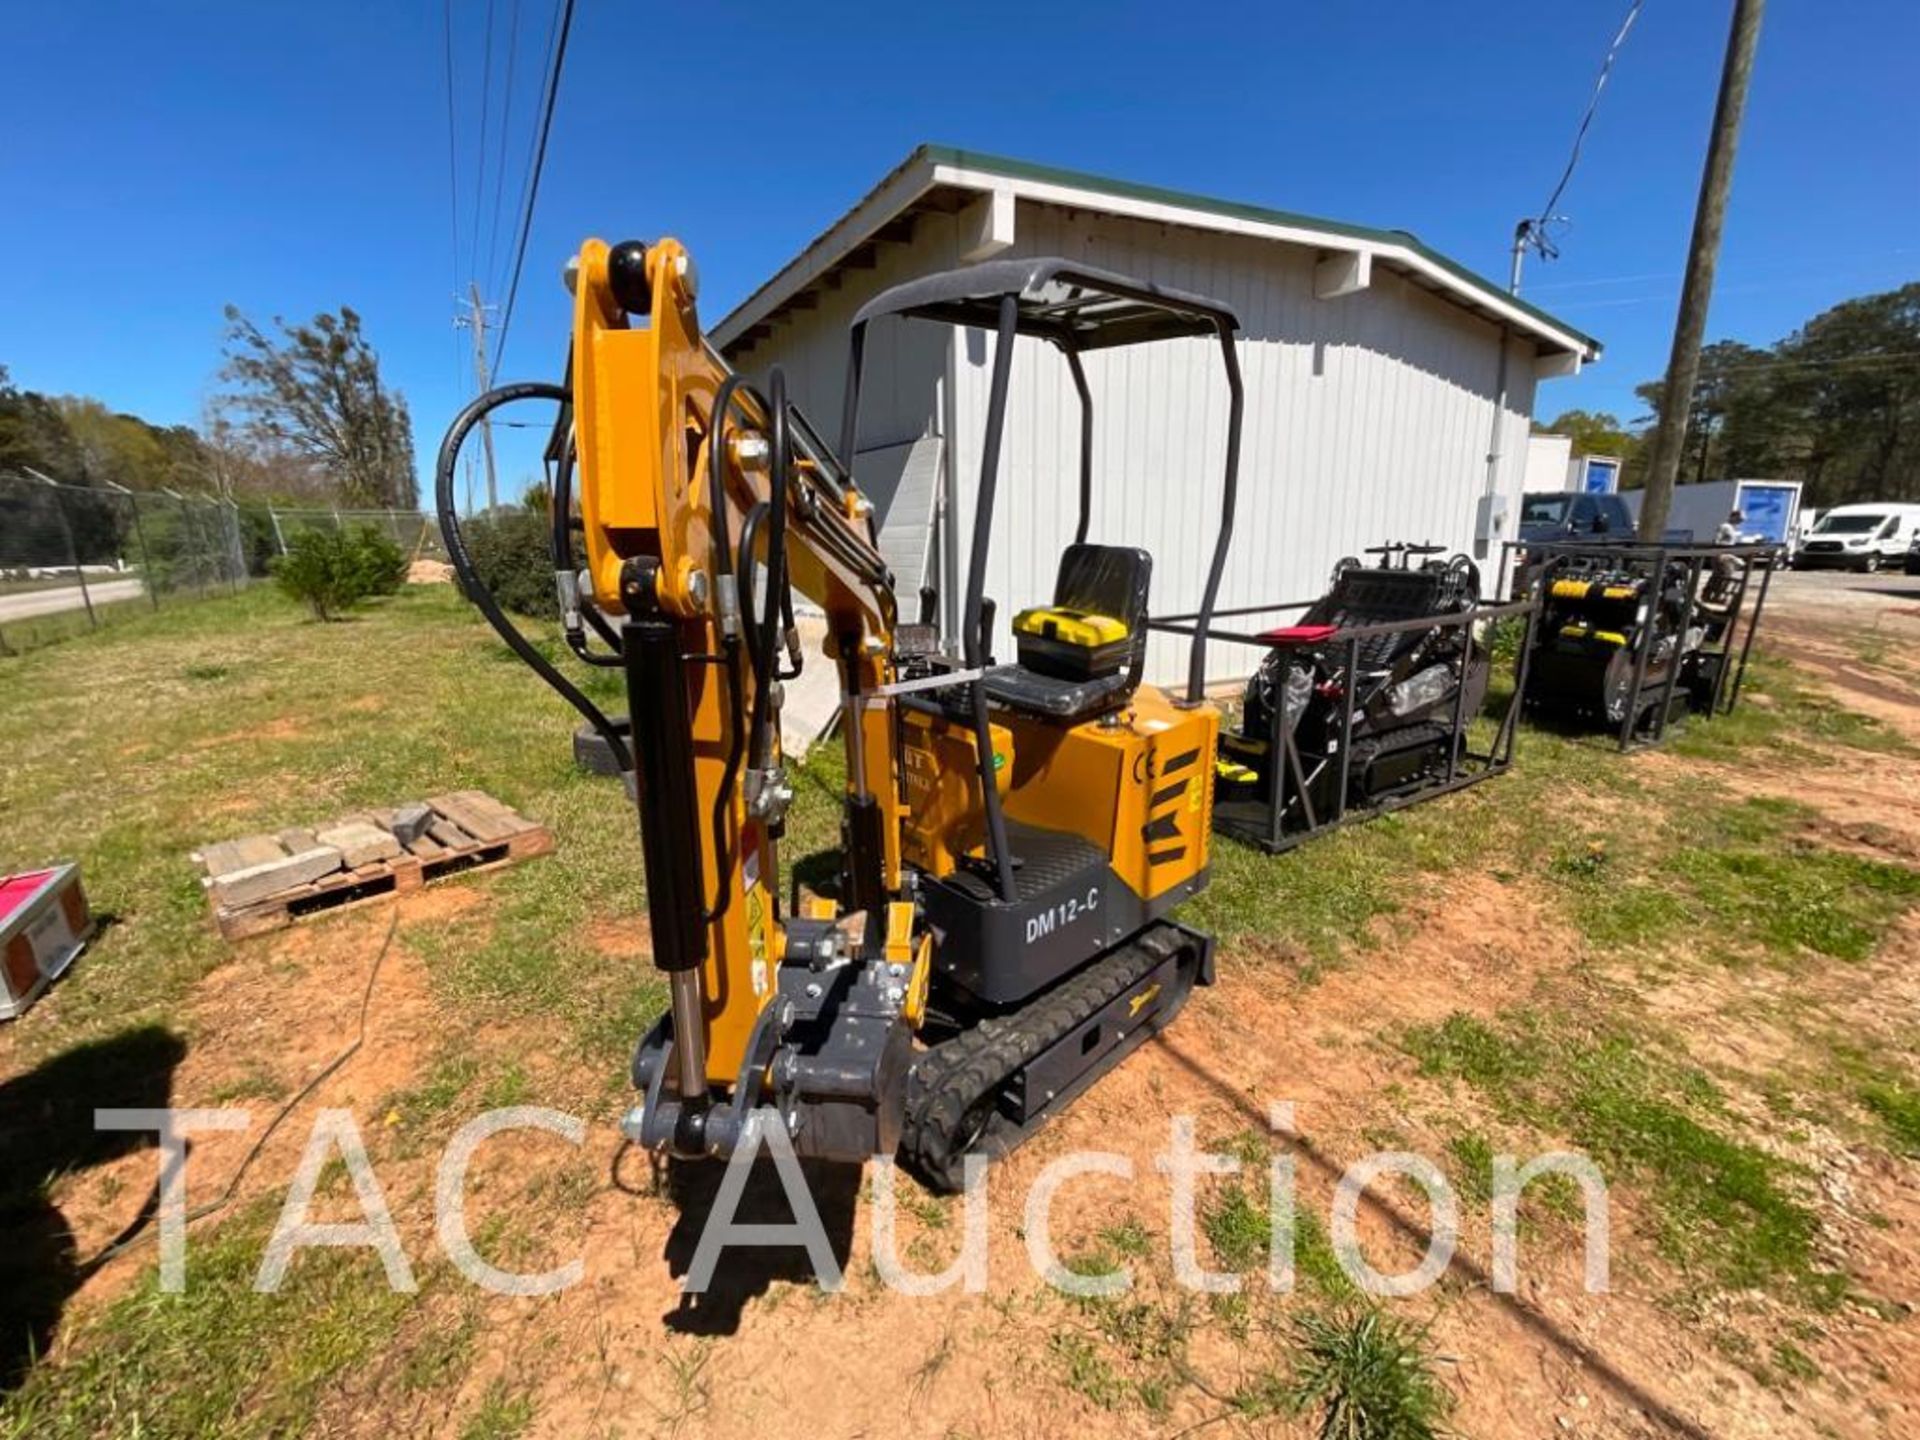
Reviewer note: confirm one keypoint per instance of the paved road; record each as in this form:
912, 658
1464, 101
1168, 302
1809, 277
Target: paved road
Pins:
52, 602
1799, 591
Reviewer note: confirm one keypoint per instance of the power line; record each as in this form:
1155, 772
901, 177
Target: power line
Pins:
453, 165
533, 177
506, 118
1839, 362
1531, 233
453, 162
1593, 104
480, 160
533, 131
1800, 266
1751, 287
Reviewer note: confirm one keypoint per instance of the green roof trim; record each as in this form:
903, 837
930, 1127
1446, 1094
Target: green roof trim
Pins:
1014, 169
928, 158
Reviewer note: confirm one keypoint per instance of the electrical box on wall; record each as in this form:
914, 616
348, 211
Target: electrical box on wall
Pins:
1489, 525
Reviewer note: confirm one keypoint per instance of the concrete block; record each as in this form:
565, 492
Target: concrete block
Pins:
360, 843
259, 882
410, 822
242, 854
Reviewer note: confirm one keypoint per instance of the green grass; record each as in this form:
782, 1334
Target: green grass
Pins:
1238, 1227
1366, 1375
1471, 1174
1728, 879
1574, 812
162, 732
1129, 1238
1472, 1169
218, 1359
134, 746
1781, 713
1897, 1106
1085, 1371
1130, 1348
1877, 1074
36, 632
131, 747
503, 1414
1720, 1207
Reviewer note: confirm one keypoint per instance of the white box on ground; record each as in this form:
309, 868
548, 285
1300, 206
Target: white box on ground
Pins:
44, 923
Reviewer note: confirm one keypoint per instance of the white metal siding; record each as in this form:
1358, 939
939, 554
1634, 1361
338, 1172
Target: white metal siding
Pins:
903, 482
1368, 417
904, 365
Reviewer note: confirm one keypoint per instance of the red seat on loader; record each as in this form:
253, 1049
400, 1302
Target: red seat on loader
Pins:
1299, 634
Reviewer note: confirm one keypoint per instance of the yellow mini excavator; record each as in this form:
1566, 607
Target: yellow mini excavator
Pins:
1015, 835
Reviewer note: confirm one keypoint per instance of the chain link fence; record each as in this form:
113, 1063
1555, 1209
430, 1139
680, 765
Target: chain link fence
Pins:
76, 557
412, 530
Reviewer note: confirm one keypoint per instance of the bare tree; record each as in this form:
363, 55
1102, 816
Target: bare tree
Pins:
316, 392
239, 462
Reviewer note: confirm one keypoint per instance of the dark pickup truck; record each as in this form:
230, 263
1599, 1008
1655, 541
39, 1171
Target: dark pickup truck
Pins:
1568, 515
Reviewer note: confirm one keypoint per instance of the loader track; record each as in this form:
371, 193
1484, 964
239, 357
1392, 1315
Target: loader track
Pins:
954, 1090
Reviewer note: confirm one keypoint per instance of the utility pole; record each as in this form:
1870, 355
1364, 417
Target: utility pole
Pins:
477, 323
1710, 213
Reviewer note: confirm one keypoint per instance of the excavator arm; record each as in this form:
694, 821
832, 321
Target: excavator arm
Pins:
701, 500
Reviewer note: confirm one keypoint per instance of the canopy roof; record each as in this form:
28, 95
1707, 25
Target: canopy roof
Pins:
1079, 307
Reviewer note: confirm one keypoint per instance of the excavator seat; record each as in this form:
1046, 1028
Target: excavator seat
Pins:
1082, 655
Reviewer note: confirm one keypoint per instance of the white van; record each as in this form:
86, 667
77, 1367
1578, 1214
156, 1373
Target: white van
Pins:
1860, 537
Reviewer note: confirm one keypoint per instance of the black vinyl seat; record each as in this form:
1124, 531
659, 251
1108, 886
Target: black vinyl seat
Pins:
1104, 580
1363, 596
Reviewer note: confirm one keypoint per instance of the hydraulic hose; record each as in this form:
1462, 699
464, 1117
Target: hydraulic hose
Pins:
560, 455
761, 650
736, 709
457, 552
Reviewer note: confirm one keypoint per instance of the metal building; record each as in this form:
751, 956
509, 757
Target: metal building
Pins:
1389, 390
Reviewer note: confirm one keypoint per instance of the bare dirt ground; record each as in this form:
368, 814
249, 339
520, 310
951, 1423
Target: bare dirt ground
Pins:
625, 1352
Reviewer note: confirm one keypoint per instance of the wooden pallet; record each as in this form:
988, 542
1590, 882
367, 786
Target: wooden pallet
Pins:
468, 830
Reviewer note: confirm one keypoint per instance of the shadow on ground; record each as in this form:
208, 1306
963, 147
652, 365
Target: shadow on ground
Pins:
748, 1271
47, 1131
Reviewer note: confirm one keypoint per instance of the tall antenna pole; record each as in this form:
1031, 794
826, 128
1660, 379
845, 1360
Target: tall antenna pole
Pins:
1522, 233
1689, 326
477, 323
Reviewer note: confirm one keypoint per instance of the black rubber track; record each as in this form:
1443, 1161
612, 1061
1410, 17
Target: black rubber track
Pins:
953, 1090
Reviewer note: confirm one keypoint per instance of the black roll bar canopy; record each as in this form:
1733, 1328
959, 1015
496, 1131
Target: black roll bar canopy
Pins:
1079, 306
1076, 308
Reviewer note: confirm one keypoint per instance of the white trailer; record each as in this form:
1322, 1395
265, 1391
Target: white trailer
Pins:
1769, 510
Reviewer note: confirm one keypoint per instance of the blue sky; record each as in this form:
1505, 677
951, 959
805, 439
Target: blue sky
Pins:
164, 158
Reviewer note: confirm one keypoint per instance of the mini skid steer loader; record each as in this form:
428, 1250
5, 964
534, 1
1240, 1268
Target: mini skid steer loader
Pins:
1363, 703
1632, 636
